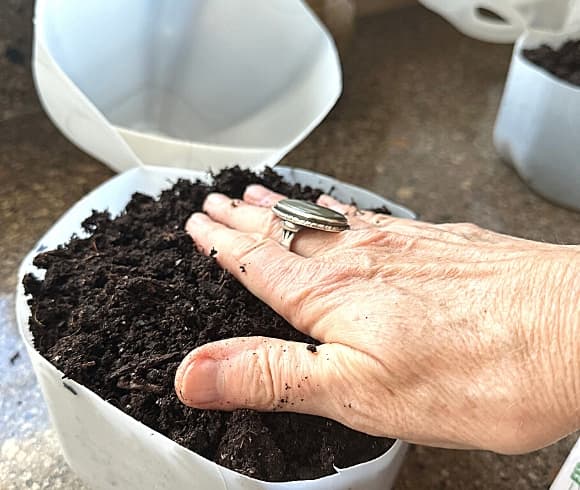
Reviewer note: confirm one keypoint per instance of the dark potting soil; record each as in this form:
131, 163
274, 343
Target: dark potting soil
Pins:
563, 62
119, 309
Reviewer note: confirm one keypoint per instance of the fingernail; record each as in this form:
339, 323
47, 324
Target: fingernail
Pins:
197, 219
257, 194
215, 199
199, 383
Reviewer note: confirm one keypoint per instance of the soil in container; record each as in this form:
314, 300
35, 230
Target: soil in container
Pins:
119, 308
563, 62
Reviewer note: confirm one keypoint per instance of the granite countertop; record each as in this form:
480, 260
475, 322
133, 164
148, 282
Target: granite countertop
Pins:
414, 124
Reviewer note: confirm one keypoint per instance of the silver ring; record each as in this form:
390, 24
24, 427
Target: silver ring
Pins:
296, 214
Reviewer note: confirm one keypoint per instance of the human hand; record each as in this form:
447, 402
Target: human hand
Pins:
446, 335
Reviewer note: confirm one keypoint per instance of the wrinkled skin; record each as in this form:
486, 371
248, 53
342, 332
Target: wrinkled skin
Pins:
445, 335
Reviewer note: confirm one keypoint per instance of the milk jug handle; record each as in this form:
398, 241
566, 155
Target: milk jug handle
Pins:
496, 30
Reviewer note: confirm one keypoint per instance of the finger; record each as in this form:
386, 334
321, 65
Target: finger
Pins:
249, 218
258, 195
357, 218
269, 375
279, 278
404, 227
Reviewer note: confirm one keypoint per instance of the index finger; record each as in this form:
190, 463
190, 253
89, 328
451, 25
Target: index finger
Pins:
259, 195
277, 277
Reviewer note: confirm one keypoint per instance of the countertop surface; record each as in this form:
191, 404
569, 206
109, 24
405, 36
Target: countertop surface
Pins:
414, 124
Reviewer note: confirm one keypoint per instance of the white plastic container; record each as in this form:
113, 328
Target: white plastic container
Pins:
513, 17
109, 449
192, 84
569, 475
538, 125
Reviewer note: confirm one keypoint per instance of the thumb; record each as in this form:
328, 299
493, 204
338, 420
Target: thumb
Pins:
265, 374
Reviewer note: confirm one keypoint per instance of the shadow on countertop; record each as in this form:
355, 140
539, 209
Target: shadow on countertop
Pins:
414, 124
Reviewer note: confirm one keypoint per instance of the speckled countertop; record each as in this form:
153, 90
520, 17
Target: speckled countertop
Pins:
414, 124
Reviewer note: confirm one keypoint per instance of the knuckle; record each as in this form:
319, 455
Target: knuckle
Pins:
378, 237
350, 210
258, 249
383, 220
367, 236
269, 362
471, 227
467, 229
245, 247
261, 388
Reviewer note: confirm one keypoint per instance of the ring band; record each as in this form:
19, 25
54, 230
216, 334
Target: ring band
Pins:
296, 214
288, 233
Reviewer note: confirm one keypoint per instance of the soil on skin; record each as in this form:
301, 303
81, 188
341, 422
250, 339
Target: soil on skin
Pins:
118, 310
563, 62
